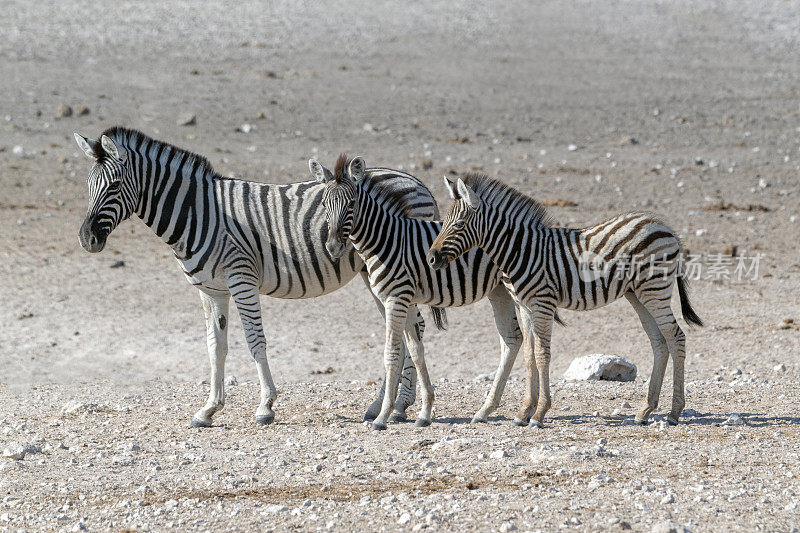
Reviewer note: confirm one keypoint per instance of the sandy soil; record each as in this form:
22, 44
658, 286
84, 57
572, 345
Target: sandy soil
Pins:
688, 109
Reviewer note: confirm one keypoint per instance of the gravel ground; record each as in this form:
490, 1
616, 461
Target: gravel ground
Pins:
688, 109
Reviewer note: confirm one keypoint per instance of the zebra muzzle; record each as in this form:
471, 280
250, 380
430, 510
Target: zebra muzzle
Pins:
335, 248
436, 259
91, 237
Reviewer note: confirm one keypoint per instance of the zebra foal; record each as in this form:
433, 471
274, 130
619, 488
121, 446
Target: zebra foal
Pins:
232, 239
393, 247
632, 255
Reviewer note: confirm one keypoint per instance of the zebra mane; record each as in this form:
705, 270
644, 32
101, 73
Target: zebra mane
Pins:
130, 138
496, 192
341, 166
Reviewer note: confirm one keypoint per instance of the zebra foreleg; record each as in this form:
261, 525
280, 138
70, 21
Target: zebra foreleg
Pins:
510, 334
245, 295
407, 392
396, 313
408, 379
215, 307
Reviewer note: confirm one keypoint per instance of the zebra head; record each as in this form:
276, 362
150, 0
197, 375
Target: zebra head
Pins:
339, 199
112, 191
459, 231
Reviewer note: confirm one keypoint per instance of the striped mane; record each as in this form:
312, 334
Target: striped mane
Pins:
132, 139
495, 192
399, 196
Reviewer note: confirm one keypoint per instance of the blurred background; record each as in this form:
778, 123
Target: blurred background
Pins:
689, 109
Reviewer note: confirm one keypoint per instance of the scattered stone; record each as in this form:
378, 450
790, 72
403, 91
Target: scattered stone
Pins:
63, 111
368, 127
735, 419
329, 370
763, 184
669, 498
484, 377
187, 119
600, 367
117, 264
786, 323
629, 140
275, 508
572, 147
779, 368
668, 527
507, 526
14, 452
232, 381
427, 164
82, 111
245, 128
18, 151
405, 518
498, 454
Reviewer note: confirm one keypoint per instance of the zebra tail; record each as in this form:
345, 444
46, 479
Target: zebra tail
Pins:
439, 318
686, 307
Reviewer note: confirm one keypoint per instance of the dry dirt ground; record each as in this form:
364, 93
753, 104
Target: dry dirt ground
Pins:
688, 109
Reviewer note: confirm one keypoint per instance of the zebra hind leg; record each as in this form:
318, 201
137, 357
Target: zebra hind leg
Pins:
215, 307
660, 356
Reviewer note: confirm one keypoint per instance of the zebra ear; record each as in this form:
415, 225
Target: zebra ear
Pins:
356, 168
87, 145
320, 173
451, 187
110, 147
467, 194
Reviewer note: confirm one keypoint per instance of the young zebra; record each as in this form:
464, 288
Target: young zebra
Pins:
231, 238
633, 255
393, 247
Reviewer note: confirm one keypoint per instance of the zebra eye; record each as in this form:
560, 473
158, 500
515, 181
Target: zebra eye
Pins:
458, 224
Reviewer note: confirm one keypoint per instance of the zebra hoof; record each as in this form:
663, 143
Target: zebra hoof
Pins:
672, 421
378, 426
477, 420
640, 421
535, 424
394, 418
369, 417
197, 423
422, 422
265, 420
519, 422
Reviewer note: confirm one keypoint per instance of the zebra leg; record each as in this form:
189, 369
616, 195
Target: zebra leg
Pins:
660, 356
532, 373
413, 338
408, 383
542, 328
215, 307
396, 313
407, 393
505, 318
245, 295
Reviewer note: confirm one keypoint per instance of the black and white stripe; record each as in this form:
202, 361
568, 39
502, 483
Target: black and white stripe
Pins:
232, 238
633, 255
394, 246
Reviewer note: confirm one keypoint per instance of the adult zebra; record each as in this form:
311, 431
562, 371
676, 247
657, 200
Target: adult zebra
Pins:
232, 238
393, 247
633, 255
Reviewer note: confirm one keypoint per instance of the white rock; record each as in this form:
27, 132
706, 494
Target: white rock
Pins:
668, 527
507, 526
763, 184
14, 451
669, 498
735, 419
700, 232
779, 368
572, 147
498, 454
405, 518
484, 377
276, 508
18, 151
600, 366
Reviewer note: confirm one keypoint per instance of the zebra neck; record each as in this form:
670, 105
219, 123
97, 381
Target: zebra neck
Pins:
510, 239
176, 197
372, 226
